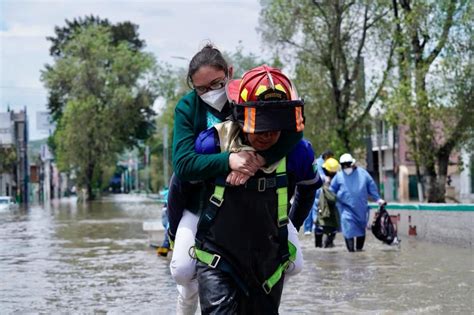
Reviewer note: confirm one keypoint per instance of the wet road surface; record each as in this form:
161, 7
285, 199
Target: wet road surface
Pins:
94, 258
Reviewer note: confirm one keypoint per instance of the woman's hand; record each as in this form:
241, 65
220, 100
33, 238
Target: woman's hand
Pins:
236, 178
246, 162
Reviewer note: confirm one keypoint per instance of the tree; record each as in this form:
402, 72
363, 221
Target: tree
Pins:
433, 94
242, 62
120, 32
330, 40
108, 104
8, 159
171, 85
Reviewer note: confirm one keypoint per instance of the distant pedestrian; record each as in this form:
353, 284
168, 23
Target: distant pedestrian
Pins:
353, 186
327, 220
165, 246
309, 221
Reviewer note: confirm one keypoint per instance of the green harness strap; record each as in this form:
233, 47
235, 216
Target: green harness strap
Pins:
282, 194
276, 276
217, 198
211, 260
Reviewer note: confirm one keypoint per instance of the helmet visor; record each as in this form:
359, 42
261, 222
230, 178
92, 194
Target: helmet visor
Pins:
263, 116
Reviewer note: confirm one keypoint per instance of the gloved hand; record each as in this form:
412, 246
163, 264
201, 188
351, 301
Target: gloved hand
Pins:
381, 202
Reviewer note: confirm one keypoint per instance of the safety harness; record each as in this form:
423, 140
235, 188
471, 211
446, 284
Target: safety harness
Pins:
287, 251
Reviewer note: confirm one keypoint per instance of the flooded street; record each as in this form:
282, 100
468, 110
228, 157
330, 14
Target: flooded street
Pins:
75, 258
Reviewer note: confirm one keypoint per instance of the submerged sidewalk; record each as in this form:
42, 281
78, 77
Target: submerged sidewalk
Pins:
441, 223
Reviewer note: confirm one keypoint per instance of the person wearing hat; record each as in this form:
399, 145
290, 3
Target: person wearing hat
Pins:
327, 219
353, 186
242, 243
309, 222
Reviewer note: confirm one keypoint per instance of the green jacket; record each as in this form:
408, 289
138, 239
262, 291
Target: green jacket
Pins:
328, 215
189, 120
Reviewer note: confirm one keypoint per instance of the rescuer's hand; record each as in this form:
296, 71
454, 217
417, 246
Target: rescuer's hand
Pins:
245, 162
236, 178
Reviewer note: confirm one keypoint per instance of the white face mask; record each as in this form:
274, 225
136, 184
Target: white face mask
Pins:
348, 171
215, 98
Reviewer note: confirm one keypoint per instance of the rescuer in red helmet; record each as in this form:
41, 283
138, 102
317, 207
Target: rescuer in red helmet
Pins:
242, 243
204, 106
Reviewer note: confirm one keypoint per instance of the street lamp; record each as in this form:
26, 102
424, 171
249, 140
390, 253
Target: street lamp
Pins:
379, 130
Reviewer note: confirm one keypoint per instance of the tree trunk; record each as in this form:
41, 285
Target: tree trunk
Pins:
437, 192
90, 174
343, 134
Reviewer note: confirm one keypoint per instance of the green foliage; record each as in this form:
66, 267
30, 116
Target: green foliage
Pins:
120, 32
242, 62
327, 42
124, 32
433, 93
171, 85
108, 103
8, 159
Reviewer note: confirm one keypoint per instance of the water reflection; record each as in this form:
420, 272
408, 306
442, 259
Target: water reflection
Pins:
418, 278
69, 258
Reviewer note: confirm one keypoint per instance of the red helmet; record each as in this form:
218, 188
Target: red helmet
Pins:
266, 100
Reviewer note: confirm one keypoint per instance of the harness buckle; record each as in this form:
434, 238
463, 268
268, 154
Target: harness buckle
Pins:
262, 181
285, 258
266, 287
283, 222
215, 261
216, 201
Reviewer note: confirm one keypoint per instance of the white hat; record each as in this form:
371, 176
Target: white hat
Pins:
347, 158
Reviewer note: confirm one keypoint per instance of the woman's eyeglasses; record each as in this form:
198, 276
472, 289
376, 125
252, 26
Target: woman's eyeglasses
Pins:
346, 165
211, 87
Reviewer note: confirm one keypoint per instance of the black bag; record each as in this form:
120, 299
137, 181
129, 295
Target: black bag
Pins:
383, 228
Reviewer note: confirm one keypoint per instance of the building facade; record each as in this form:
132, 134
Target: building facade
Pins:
394, 169
14, 167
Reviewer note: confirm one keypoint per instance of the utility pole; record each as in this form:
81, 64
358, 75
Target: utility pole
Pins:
130, 173
137, 184
379, 152
147, 168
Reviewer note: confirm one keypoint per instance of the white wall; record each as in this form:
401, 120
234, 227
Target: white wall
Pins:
465, 189
6, 129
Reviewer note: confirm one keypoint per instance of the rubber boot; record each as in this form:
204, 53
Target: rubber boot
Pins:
318, 240
360, 240
162, 251
350, 244
329, 243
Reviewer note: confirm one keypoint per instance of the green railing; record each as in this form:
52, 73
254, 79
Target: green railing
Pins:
426, 207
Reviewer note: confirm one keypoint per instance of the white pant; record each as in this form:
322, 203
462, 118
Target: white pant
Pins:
183, 266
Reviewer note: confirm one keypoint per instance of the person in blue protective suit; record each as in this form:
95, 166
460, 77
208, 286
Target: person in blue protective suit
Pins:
242, 243
353, 186
309, 221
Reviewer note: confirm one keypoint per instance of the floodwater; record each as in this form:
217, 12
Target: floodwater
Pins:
80, 258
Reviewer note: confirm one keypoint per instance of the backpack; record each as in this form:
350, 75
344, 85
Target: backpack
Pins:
328, 215
383, 228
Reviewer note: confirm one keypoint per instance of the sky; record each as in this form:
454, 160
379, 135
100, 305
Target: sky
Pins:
174, 31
